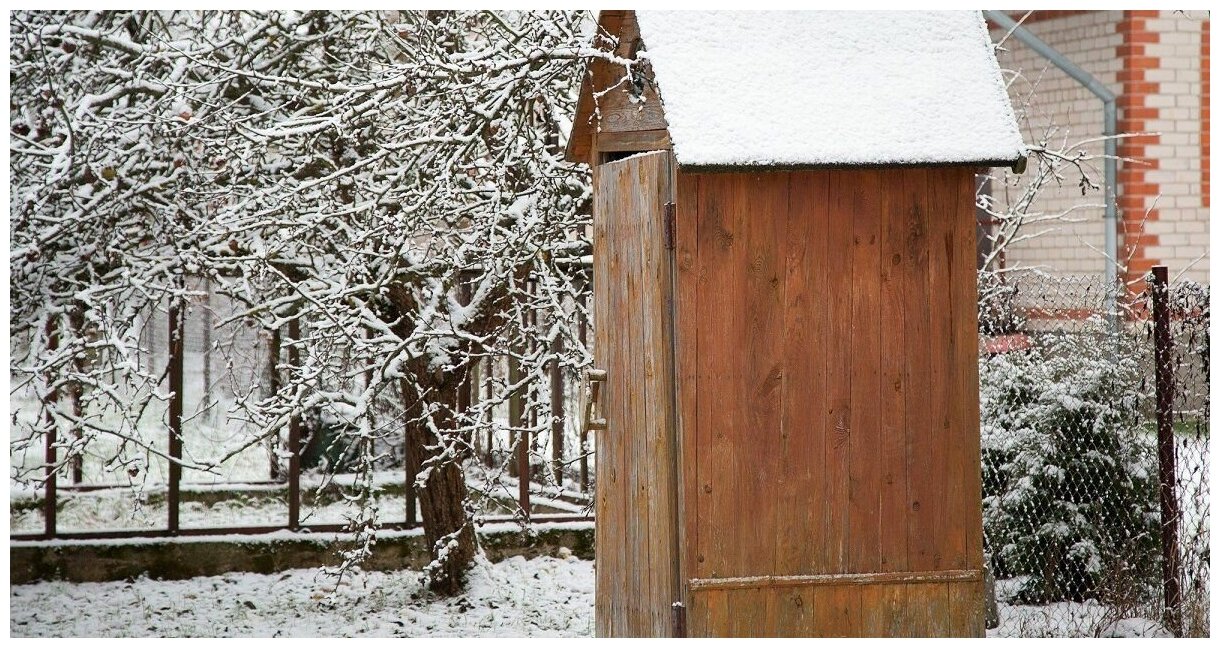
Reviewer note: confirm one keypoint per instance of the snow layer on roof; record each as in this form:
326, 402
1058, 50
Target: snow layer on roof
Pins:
830, 87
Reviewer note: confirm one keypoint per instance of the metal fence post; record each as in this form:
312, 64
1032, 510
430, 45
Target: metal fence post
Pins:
557, 418
76, 320
1170, 516
176, 397
52, 397
294, 432
516, 420
584, 433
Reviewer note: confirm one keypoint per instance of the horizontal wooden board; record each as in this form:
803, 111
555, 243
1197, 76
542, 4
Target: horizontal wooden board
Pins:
750, 582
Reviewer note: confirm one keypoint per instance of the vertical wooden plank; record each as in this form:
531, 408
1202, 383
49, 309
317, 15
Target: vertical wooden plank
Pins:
648, 217
698, 620
966, 384
763, 212
801, 536
966, 609
928, 606
735, 465
865, 472
837, 611
719, 614
937, 499
877, 609
689, 283
899, 611
627, 347
946, 217
893, 506
619, 431
839, 371
966, 602
658, 486
605, 533
918, 624
745, 612
625, 376
795, 617
920, 451
720, 311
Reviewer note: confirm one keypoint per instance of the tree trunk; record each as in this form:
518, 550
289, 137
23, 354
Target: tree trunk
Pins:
448, 528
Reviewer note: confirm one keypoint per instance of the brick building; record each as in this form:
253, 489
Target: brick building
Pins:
1157, 63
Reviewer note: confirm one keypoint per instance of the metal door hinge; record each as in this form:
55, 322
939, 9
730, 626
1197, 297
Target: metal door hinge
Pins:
669, 225
679, 618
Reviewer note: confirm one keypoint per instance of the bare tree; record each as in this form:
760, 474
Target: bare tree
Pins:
354, 173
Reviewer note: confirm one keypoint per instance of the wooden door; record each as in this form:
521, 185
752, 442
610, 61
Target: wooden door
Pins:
827, 361
636, 495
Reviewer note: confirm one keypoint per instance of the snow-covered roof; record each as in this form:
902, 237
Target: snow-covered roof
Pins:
812, 88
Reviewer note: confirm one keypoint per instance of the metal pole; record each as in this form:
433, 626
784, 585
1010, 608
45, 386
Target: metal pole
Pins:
1163, 356
49, 497
557, 421
294, 433
584, 434
1109, 131
76, 319
521, 443
489, 446
176, 396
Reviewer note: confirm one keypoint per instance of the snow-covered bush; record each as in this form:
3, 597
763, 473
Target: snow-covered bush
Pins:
1069, 471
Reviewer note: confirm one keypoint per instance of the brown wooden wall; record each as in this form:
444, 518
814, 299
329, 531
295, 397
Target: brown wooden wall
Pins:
636, 535
828, 400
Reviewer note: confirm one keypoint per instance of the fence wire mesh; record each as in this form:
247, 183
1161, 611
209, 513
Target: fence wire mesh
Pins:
1071, 510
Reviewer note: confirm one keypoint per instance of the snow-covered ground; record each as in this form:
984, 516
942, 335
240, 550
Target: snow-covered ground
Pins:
1068, 619
542, 597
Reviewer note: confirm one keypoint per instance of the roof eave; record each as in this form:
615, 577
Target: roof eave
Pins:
812, 166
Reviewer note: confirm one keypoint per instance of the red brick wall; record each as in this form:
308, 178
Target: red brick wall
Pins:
1205, 110
1137, 196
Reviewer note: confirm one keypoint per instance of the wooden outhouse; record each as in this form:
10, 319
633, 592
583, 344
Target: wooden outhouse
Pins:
786, 320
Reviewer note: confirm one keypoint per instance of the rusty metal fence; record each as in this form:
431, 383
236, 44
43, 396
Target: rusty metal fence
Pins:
1095, 438
64, 485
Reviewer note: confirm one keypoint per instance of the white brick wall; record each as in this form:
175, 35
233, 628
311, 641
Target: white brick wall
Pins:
1046, 98
1183, 227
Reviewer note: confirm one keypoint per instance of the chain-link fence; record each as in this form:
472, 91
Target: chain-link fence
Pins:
1074, 521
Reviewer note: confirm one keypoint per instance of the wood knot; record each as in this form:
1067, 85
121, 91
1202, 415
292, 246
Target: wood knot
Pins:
725, 238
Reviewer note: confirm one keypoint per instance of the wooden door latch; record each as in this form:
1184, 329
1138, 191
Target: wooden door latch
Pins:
593, 409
